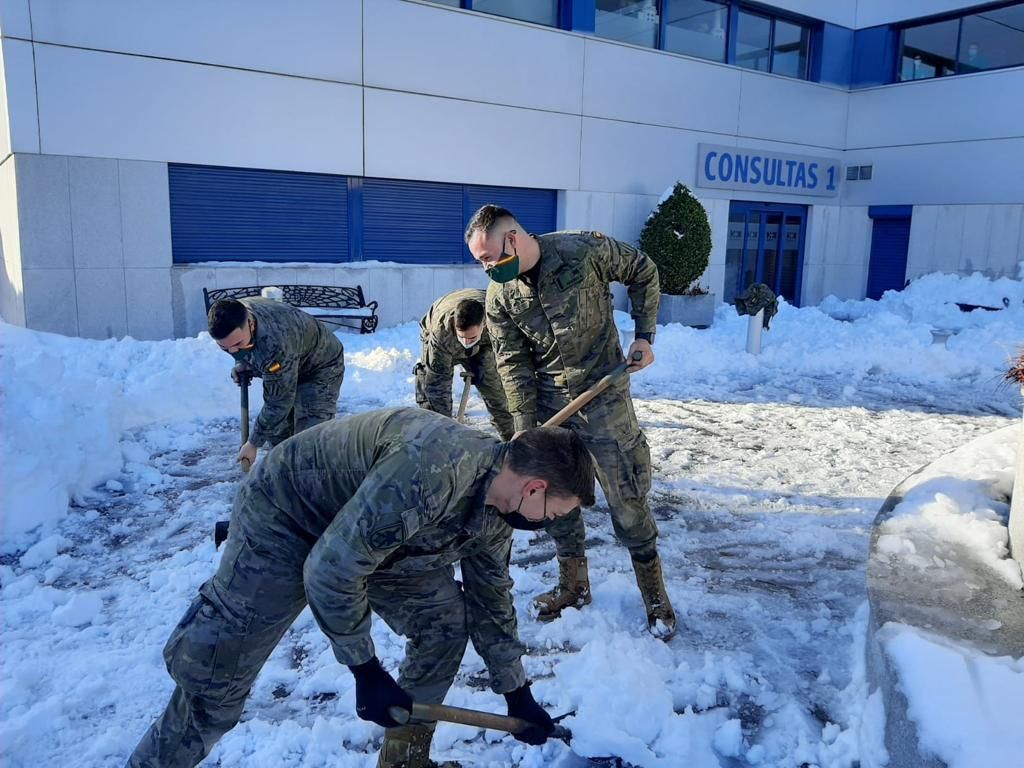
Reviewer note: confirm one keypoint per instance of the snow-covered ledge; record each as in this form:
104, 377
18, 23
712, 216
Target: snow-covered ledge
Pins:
946, 642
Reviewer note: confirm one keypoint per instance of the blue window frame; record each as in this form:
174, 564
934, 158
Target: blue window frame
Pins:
546, 12
744, 34
955, 44
246, 214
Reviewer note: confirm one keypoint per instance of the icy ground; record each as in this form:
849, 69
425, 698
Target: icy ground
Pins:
767, 475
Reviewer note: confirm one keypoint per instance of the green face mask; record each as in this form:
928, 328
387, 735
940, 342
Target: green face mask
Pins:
505, 268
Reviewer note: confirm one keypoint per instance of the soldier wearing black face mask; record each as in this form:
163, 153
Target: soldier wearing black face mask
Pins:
453, 332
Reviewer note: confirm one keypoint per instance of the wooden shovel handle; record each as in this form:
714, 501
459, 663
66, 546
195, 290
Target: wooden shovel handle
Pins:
587, 395
435, 712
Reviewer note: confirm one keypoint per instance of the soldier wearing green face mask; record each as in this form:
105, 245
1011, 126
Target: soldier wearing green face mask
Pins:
549, 313
300, 361
453, 332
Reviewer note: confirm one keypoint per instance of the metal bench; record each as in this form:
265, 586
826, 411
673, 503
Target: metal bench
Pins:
333, 304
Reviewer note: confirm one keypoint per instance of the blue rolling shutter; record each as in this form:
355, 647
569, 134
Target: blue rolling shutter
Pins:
890, 241
534, 208
242, 214
412, 222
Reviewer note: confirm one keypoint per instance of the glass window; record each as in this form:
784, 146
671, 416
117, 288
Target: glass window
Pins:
929, 50
452, 3
753, 41
537, 11
696, 28
992, 39
789, 49
631, 21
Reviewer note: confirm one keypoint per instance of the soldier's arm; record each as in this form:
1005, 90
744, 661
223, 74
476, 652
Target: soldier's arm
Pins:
487, 587
385, 511
633, 268
437, 376
280, 382
514, 359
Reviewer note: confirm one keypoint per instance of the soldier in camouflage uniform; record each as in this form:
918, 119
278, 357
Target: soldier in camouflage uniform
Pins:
360, 514
549, 313
301, 362
453, 332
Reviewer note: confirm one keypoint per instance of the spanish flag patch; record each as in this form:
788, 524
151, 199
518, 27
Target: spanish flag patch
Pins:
273, 368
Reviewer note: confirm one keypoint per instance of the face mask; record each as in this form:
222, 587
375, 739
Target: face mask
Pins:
519, 522
505, 268
469, 344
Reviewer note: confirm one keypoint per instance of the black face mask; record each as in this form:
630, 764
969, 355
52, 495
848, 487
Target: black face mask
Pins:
521, 523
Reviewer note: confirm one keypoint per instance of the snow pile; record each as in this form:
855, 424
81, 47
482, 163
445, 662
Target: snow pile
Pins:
966, 705
951, 511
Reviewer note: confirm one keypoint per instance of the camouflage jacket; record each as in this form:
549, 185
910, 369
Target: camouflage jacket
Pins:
398, 492
441, 349
291, 346
556, 339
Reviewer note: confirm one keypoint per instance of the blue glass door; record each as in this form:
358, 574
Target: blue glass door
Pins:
765, 245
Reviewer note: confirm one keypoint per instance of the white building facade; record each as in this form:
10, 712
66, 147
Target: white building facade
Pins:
151, 149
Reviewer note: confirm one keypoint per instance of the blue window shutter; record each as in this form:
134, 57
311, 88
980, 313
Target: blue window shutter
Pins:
242, 214
887, 268
535, 209
412, 222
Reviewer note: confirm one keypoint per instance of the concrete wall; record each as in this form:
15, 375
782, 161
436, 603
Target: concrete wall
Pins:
966, 239
93, 233
837, 246
403, 293
12, 287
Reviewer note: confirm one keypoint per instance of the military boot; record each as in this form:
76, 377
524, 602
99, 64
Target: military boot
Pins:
573, 590
409, 747
661, 619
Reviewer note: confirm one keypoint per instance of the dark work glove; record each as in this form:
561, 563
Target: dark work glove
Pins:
241, 374
376, 692
521, 704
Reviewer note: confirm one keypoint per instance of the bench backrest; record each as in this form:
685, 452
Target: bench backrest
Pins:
326, 296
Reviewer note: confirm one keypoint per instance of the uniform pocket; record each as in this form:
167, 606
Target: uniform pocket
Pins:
204, 651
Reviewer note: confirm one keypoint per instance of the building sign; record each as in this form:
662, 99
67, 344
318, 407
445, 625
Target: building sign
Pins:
757, 170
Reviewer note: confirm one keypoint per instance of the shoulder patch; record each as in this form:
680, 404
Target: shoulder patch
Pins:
386, 536
273, 368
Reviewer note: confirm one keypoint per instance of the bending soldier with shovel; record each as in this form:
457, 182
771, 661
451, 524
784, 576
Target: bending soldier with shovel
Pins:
368, 515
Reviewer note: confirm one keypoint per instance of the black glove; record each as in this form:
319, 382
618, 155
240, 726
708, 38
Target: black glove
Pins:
376, 692
241, 374
521, 704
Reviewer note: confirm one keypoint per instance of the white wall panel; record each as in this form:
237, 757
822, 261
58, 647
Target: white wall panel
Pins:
979, 106
626, 83
841, 12
19, 100
794, 111
430, 50
871, 13
434, 139
314, 38
15, 19
12, 286
110, 105
961, 172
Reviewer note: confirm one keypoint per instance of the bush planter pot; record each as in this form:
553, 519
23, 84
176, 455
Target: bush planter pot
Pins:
695, 311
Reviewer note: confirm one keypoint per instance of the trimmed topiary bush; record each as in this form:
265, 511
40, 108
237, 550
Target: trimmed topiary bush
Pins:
678, 239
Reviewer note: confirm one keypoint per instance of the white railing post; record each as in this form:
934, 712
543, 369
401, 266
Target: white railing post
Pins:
754, 327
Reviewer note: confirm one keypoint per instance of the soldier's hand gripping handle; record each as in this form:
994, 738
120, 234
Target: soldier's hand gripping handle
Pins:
377, 692
587, 395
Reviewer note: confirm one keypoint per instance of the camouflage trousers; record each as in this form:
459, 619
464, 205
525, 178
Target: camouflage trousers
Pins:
487, 382
240, 615
316, 401
610, 430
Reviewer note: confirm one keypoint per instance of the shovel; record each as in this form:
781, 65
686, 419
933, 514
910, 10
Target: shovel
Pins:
467, 379
244, 379
587, 395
